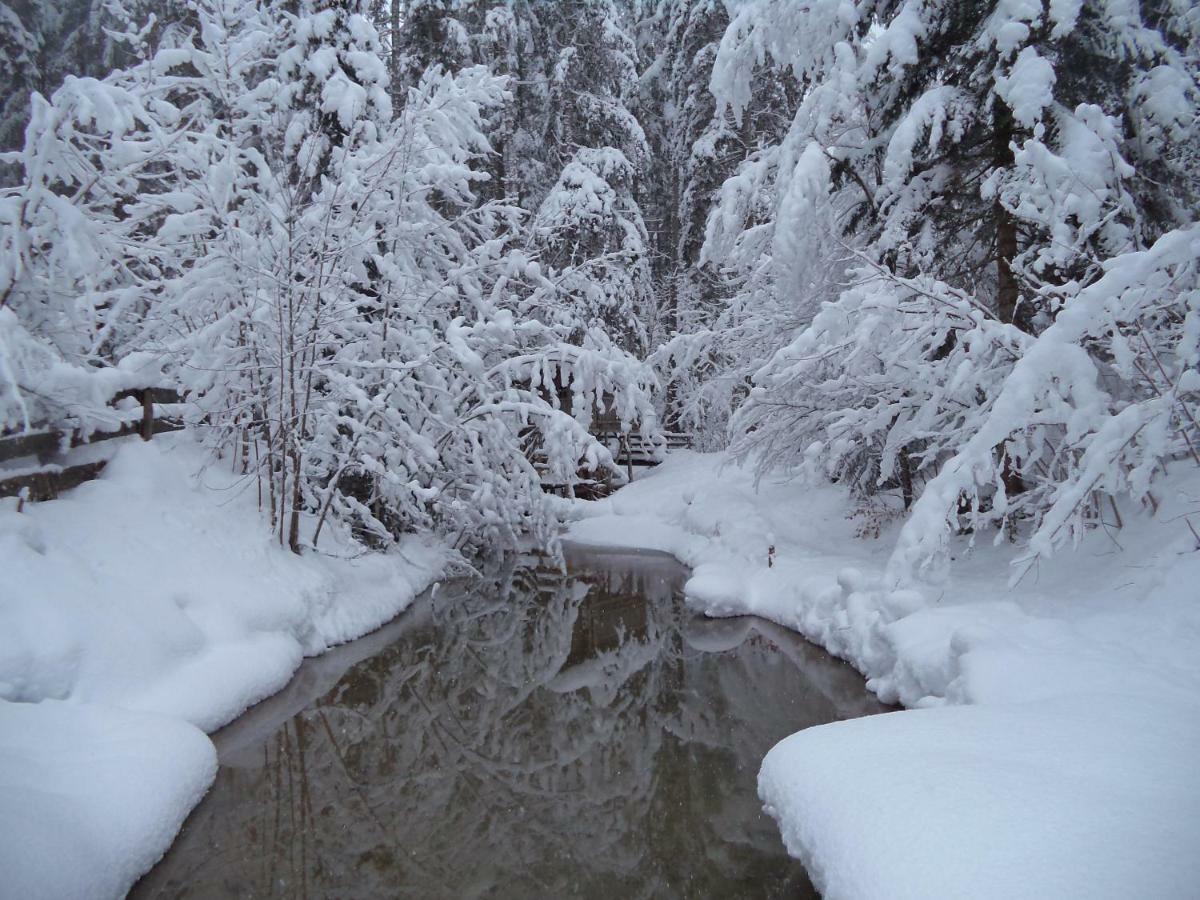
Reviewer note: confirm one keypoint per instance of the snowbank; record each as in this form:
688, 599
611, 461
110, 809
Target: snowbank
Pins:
92, 795
1060, 761
1064, 798
155, 607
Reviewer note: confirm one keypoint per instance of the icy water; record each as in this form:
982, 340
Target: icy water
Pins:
532, 734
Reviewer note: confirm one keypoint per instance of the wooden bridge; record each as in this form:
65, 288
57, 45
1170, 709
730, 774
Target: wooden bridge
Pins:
629, 449
633, 449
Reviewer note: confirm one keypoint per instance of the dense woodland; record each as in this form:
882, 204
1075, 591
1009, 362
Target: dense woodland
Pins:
942, 252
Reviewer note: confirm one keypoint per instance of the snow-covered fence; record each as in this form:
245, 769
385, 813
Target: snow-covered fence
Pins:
636, 449
629, 449
54, 471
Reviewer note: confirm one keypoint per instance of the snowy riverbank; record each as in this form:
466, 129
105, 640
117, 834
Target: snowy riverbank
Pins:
136, 613
1050, 745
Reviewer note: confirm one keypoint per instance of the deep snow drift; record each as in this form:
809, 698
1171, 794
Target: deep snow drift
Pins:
137, 612
1060, 760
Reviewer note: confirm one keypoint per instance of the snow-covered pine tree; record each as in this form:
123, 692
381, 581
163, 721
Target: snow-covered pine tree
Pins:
425, 33
505, 36
692, 151
720, 315
593, 80
591, 241
20, 72
568, 147
44, 41
573, 76
978, 198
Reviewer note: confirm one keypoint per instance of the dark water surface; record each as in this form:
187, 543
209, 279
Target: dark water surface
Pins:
533, 734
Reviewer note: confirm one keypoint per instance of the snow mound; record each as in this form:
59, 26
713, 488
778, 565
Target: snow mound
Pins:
92, 795
1050, 750
1065, 799
154, 603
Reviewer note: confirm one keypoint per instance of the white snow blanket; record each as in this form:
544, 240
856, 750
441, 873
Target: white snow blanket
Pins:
136, 613
1050, 749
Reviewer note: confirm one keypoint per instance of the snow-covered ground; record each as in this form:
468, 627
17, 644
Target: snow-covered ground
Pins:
1050, 745
136, 613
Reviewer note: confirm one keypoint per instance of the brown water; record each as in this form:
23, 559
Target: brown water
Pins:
532, 734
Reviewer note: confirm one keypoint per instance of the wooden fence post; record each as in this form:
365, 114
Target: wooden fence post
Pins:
147, 414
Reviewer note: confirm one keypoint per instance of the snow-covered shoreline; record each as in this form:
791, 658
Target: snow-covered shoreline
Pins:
1049, 745
1048, 750
136, 613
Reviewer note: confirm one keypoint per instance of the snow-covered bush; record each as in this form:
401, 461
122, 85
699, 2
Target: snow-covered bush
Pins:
78, 270
318, 274
1094, 408
881, 387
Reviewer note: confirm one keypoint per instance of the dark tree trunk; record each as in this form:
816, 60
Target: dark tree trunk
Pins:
906, 479
1007, 290
294, 522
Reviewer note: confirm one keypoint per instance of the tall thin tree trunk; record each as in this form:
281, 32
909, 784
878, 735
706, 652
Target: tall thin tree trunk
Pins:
1007, 289
294, 524
906, 477
394, 27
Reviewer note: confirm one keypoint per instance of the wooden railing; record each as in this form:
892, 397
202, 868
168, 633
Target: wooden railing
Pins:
632, 450
53, 474
635, 450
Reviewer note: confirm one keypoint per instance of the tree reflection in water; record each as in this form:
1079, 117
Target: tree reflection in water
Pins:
536, 733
